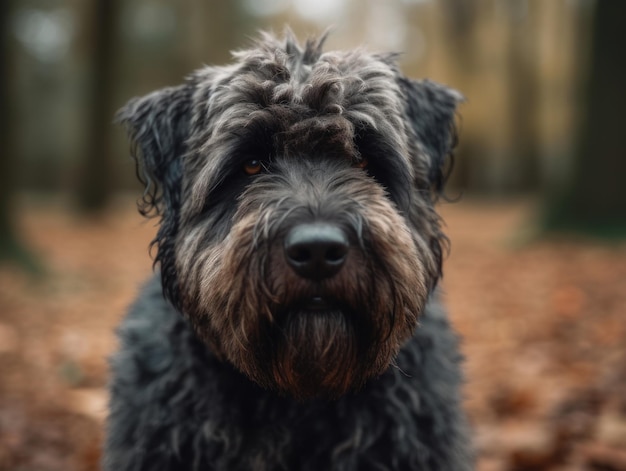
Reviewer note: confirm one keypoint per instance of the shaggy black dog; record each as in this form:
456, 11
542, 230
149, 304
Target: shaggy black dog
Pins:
299, 251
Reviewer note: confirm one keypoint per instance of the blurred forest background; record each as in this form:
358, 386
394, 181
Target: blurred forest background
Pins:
536, 280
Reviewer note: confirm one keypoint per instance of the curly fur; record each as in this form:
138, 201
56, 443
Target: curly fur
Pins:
177, 407
247, 377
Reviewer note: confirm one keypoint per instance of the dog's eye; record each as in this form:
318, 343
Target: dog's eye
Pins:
253, 166
360, 164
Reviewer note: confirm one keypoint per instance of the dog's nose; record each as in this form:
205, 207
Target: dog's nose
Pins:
316, 250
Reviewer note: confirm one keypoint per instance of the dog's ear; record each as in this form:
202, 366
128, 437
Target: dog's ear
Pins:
158, 127
431, 110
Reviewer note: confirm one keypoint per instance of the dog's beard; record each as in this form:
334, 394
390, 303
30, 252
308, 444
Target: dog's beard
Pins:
309, 343
319, 353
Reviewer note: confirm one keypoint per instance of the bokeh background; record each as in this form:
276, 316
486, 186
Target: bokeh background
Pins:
536, 278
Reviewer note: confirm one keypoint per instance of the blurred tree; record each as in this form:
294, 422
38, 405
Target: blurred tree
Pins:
594, 197
460, 18
523, 75
7, 162
96, 178
11, 247
211, 30
461, 21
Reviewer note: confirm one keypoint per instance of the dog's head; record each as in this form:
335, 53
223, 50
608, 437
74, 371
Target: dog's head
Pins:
296, 192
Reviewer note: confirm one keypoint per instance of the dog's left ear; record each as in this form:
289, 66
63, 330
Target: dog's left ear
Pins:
431, 110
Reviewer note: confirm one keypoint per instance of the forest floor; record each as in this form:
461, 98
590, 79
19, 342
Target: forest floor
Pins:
543, 323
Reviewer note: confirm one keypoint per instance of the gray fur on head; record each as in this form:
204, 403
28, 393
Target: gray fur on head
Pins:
280, 97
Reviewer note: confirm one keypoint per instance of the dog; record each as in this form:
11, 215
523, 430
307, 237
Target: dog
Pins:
294, 322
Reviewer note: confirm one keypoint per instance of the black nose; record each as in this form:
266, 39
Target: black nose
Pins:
316, 250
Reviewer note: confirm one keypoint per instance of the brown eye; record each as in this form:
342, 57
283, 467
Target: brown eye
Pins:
360, 164
253, 166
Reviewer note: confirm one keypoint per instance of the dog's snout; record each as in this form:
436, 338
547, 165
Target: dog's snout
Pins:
316, 250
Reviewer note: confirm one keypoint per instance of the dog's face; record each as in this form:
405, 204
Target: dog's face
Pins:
296, 190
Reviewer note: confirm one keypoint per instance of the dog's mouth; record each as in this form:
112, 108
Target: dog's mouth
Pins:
317, 303
320, 305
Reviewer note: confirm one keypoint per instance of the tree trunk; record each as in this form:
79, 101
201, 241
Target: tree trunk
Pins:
7, 161
11, 248
523, 173
6, 132
594, 198
96, 179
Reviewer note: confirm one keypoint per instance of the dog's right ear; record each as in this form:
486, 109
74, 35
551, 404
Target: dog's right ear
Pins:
158, 127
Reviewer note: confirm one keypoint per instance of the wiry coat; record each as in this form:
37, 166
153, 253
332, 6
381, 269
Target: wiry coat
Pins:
176, 407
233, 369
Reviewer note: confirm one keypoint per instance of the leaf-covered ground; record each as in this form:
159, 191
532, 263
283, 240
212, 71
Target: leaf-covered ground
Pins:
543, 323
